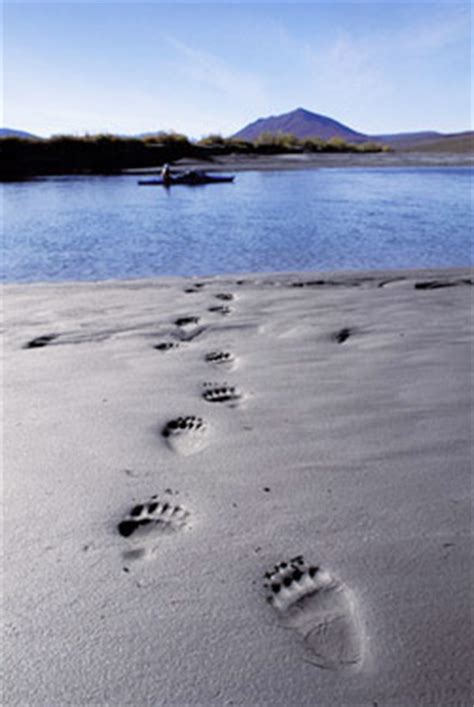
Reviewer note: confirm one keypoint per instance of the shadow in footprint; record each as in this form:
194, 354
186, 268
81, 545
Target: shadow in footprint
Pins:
320, 608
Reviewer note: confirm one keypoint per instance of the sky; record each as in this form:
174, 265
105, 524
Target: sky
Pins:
200, 68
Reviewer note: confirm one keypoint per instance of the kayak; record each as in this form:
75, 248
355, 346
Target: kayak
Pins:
188, 178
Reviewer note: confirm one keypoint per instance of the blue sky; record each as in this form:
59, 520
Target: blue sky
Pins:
197, 68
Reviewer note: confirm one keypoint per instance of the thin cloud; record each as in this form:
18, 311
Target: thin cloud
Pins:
441, 32
445, 34
344, 72
209, 70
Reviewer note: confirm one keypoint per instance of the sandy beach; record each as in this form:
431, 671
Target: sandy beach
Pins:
294, 161
249, 489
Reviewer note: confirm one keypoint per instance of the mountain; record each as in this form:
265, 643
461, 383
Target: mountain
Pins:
10, 132
301, 123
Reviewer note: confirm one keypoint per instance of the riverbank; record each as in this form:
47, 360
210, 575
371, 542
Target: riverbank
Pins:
240, 163
169, 441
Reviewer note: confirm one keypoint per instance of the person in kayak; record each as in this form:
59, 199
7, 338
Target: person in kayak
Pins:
166, 173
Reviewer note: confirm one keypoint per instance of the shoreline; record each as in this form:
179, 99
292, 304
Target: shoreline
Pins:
174, 447
240, 163
236, 162
261, 276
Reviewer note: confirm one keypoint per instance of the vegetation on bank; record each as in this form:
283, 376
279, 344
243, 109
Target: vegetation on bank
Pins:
273, 143
110, 154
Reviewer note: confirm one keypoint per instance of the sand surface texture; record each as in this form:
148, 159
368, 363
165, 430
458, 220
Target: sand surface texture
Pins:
238, 490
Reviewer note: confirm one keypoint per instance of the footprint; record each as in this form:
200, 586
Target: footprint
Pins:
187, 336
186, 321
321, 608
437, 284
166, 346
355, 282
188, 329
185, 435
150, 520
220, 309
310, 283
40, 341
220, 357
225, 296
342, 335
433, 285
220, 394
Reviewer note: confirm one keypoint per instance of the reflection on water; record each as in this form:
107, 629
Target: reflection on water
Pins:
85, 228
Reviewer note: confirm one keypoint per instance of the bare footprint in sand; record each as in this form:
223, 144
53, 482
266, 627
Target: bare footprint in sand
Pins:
321, 608
148, 520
185, 435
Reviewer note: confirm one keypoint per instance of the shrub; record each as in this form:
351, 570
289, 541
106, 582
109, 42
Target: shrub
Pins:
167, 138
212, 140
369, 147
313, 144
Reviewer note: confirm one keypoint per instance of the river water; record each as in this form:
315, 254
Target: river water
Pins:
94, 228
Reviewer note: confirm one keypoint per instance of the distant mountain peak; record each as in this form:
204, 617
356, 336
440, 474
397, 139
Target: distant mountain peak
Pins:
303, 124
